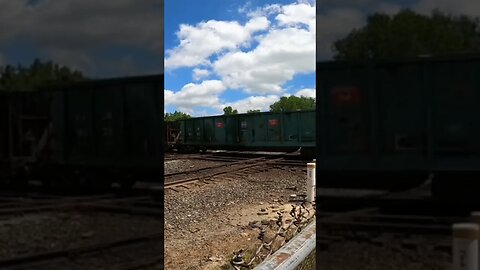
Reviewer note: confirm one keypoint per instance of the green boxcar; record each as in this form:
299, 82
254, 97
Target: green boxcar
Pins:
259, 131
108, 125
23, 118
412, 116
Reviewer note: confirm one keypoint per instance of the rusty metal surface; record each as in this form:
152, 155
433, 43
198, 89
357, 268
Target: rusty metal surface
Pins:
293, 253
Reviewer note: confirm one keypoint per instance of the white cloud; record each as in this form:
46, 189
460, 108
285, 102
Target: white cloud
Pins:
281, 53
198, 43
199, 73
261, 103
65, 29
257, 58
307, 92
73, 59
261, 11
334, 25
388, 8
204, 94
297, 13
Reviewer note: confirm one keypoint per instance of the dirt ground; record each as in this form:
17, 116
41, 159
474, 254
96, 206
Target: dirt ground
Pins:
52, 231
392, 254
205, 225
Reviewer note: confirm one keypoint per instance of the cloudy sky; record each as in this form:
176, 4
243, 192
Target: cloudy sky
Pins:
336, 18
244, 54
99, 38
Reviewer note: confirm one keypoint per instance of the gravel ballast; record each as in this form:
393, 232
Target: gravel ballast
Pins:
392, 255
52, 231
204, 225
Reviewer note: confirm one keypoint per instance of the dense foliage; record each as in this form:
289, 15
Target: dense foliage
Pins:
408, 34
293, 103
176, 116
36, 75
229, 111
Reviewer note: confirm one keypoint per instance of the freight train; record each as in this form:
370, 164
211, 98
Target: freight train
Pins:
276, 132
84, 135
401, 121
392, 123
383, 124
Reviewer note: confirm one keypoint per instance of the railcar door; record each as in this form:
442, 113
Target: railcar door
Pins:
231, 130
274, 131
243, 134
220, 129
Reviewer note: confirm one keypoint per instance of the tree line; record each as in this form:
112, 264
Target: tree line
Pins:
284, 104
407, 34
38, 74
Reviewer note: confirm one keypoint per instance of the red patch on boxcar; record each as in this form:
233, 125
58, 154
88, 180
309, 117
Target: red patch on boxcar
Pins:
273, 122
219, 125
347, 95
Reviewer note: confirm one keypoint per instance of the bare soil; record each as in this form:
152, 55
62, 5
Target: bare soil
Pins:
205, 225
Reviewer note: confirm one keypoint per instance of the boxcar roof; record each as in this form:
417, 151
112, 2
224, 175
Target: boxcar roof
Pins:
410, 60
107, 81
248, 114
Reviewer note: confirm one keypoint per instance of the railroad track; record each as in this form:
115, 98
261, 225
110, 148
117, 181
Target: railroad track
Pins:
70, 204
401, 213
204, 174
40, 260
54, 259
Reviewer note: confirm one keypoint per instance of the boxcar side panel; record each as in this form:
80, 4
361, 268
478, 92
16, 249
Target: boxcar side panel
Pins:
307, 128
79, 124
220, 133
109, 122
455, 109
400, 100
231, 130
142, 125
417, 115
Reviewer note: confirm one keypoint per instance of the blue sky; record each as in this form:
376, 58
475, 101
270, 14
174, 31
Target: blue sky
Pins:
99, 38
244, 54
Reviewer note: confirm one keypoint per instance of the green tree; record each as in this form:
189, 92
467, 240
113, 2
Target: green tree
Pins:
253, 111
408, 34
229, 110
293, 103
36, 75
176, 116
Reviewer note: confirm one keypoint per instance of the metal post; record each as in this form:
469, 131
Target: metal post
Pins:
465, 246
311, 182
476, 220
